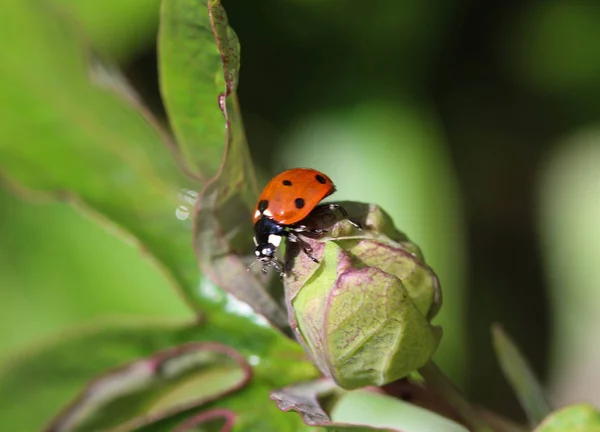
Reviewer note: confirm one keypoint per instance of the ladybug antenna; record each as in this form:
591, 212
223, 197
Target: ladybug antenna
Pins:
248, 268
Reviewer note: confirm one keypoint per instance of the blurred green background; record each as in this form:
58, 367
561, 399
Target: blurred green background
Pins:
475, 124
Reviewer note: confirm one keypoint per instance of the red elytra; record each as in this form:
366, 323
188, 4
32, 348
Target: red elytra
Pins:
282, 206
291, 195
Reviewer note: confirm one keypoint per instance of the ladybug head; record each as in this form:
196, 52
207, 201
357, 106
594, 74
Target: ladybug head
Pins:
265, 253
267, 238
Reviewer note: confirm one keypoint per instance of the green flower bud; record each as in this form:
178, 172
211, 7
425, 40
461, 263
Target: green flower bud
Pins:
363, 311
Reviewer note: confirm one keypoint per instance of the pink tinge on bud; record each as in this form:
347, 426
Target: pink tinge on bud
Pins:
362, 312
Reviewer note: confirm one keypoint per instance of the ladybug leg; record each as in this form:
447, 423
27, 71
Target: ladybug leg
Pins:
305, 246
308, 251
304, 228
343, 212
273, 263
278, 266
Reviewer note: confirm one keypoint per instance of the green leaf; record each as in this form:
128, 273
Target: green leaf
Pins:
192, 56
358, 410
520, 376
35, 385
198, 76
574, 418
117, 29
381, 411
155, 387
218, 419
252, 410
248, 409
67, 138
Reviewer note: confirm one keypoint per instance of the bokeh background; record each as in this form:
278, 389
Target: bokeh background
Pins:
474, 124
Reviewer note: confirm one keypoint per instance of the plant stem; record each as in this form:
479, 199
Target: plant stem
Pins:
439, 383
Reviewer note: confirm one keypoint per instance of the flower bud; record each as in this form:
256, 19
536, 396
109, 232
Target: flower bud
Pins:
362, 312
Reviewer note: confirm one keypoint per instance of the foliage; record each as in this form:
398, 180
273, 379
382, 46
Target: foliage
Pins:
73, 129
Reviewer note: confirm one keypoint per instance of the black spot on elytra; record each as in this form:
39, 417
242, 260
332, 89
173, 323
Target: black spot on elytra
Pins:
287, 183
262, 205
299, 203
321, 179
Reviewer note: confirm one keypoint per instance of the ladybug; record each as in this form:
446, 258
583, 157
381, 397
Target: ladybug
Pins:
282, 206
